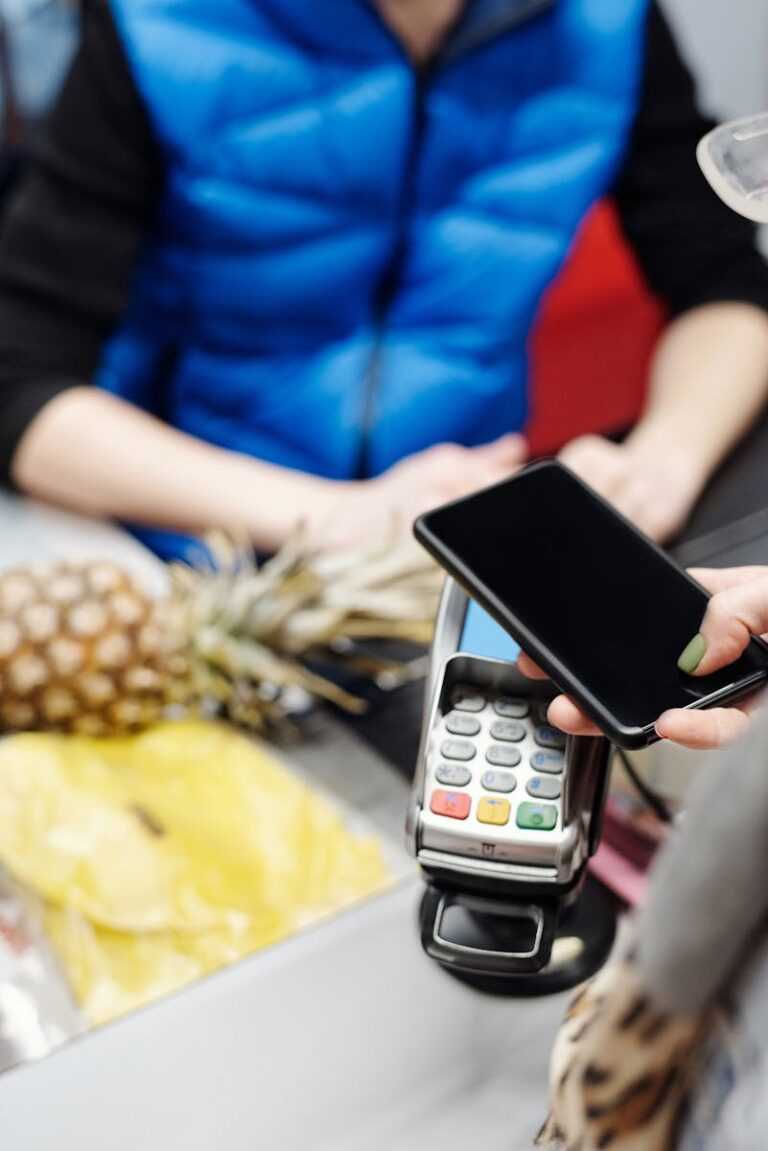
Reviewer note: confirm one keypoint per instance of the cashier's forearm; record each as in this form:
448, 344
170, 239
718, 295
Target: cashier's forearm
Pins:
709, 381
98, 455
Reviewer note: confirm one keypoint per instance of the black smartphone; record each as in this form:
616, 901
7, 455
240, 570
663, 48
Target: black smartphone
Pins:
603, 610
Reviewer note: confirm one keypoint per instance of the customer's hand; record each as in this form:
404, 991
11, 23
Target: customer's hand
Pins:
656, 490
363, 511
737, 611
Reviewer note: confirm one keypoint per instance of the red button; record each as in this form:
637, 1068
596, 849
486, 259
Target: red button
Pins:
451, 803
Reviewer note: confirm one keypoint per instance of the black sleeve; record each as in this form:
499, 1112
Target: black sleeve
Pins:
71, 232
692, 249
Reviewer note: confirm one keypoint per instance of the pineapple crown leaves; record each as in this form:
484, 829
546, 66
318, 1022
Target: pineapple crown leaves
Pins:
250, 627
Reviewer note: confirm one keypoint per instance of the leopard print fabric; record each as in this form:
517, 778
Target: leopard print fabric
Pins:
621, 1071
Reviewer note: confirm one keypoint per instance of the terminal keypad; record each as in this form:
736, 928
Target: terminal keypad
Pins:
495, 761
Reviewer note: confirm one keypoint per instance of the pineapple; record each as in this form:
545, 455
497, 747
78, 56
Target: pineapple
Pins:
84, 649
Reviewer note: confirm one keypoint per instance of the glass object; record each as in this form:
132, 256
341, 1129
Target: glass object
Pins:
734, 158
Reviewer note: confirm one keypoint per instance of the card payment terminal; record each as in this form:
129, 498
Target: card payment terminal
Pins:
505, 812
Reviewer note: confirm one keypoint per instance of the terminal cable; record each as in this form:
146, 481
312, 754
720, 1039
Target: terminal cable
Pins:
648, 794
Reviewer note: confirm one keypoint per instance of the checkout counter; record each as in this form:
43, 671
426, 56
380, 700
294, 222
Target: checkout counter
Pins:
346, 1035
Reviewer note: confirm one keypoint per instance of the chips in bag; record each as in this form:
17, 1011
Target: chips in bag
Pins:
163, 856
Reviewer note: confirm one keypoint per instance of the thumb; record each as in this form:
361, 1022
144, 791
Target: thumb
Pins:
732, 618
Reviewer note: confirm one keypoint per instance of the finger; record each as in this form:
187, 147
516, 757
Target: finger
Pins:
494, 475
596, 460
703, 730
733, 616
508, 451
721, 579
590, 448
530, 669
485, 472
513, 441
484, 466
565, 715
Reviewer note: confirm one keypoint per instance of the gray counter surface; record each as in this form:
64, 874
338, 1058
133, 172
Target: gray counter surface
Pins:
344, 1037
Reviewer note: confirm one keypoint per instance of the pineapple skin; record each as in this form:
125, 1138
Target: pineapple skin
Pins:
84, 649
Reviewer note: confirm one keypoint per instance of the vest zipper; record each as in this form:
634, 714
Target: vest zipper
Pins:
389, 282
387, 288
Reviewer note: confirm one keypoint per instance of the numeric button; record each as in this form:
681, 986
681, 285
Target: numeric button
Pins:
459, 724
509, 708
467, 700
458, 749
549, 737
453, 775
503, 781
501, 755
548, 762
539, 710
508, 731
541, 788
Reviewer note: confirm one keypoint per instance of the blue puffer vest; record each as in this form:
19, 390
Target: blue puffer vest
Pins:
349, 256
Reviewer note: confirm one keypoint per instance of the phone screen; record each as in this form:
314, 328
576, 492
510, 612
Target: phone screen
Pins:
607, 606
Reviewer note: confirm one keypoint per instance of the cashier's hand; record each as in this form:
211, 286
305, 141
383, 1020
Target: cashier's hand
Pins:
656, 490
363, 510
737, 611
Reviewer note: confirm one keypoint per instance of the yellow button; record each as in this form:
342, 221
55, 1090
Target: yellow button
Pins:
494, 811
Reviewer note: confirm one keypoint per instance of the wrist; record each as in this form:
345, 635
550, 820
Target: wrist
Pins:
669, 447
272, 503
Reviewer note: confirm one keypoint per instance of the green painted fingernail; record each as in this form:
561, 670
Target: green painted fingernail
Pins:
693, 654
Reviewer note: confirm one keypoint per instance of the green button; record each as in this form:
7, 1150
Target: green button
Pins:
537, 816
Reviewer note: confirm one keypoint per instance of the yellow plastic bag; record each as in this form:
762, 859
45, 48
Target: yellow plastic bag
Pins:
163, 856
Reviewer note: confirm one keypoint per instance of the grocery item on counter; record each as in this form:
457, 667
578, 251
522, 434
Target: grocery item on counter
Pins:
162, 856
84, 648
